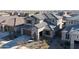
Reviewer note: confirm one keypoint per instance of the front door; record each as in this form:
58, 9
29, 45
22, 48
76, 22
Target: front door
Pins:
41, 33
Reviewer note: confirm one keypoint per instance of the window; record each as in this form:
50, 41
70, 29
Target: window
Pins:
47, 32
67, 36
29, 21
77, 36
71, 22
53, 20
68, 22
6, 28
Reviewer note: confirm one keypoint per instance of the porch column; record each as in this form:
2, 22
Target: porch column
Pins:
51, 33
3, 28
72, 44
38, 38
32, 34
37, 34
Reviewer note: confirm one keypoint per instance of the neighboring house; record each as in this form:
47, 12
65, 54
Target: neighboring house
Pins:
71, 34
43, 30
4, 14
55, 19
12, 24
71, 20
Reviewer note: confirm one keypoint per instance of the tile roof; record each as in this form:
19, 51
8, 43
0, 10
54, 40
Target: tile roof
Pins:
10, 21
39, 16
68, 28
74, 30
72, 18
40, 25
50, 27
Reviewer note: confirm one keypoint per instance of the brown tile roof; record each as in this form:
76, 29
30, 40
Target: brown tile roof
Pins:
10, 20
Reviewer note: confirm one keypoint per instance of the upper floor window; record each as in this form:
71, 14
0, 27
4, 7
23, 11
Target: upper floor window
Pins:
77, 36
71, 22
47, 32
29, 21
53, 20
67, 36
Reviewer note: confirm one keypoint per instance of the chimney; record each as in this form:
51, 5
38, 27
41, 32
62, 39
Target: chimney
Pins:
65, 13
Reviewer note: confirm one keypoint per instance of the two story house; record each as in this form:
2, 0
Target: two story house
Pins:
39, 27
71, 34
12, 24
